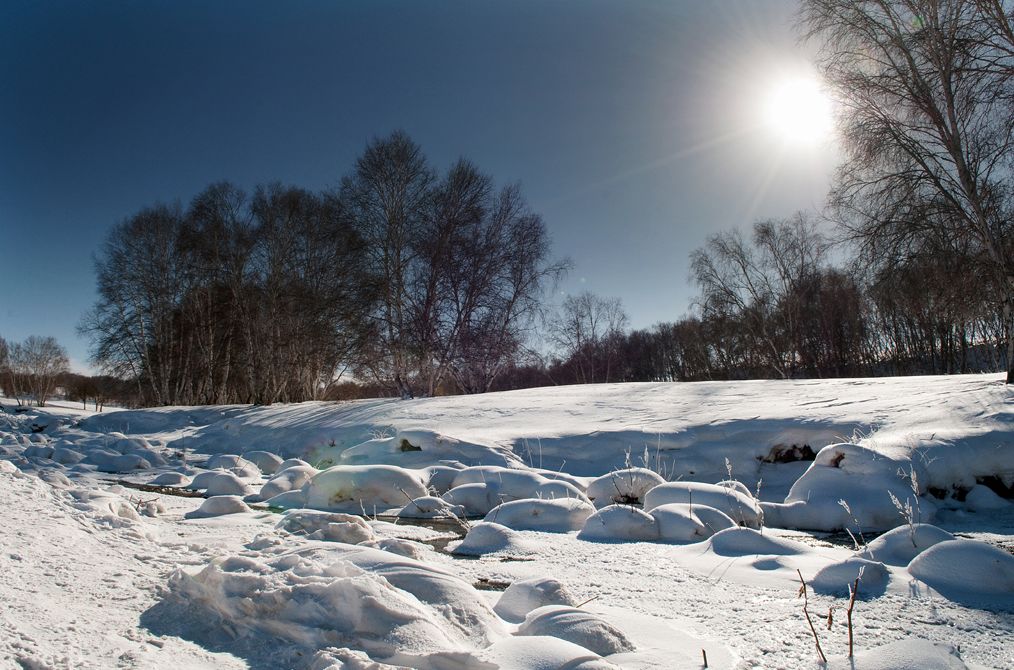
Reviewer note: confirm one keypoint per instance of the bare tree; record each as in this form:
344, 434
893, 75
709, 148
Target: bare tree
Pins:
925, 90
588, 329
40, 361
753, 282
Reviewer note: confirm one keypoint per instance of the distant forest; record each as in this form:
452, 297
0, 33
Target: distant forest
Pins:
407, 281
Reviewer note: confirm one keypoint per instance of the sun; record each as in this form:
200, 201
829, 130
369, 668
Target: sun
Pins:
798, 111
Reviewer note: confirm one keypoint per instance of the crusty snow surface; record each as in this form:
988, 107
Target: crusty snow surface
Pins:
96, 575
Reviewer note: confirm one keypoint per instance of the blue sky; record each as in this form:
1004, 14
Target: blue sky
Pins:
633, 126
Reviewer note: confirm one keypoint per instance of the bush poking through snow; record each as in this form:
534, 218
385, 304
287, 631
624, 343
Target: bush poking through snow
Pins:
623, 487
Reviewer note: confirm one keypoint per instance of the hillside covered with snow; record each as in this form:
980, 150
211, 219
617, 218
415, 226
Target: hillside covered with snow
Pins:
598, 526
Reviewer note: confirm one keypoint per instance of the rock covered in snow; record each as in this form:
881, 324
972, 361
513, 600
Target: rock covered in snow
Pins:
624, 487
581, 627
369, 487
836, 579
678, 523
558, 515
266, 461
909, 654
292, 478
748, 542
430, 507
864, 479
740, 507
620, 523
901, 545
227, 484
962, 568
486, 538
475, 499
170, 479
329, 526
525, 595
982, 499
218, 506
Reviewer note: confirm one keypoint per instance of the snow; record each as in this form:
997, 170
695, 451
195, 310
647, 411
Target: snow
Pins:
525, 595
627, 486
736, 505
557, 515
619, 523
101, 575
218, 505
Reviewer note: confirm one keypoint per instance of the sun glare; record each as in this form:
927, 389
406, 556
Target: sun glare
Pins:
798, 111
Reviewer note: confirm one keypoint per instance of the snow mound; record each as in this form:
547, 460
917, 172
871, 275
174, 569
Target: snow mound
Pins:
624, 487
558, 515
292, 463
541, 653
959, 569
218, 506
523, 596
329, 526
430, 507
902, 655
226, 484
358, 487
266, 461
836, 578
581, 627
170, 479
486, 538
366, 599
678, 523
292, 478
620, 523
864, 479
738, 506
981, 499
111, 461
441, 478
475, 499
901, 545
747, 542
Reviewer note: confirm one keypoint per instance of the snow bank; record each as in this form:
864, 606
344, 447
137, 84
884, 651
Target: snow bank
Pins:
552, 516
737, 506
619, 523
624, 487
865, 479
541, 653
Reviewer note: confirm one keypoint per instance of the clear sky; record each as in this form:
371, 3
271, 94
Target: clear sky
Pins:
636, 128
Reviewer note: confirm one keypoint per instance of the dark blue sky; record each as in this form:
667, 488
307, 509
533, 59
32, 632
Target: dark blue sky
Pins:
630, 124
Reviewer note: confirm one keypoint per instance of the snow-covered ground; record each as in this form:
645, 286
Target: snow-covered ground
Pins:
637, 526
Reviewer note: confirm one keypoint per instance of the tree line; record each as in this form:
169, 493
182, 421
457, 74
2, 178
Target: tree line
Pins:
412, 279
775, 304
